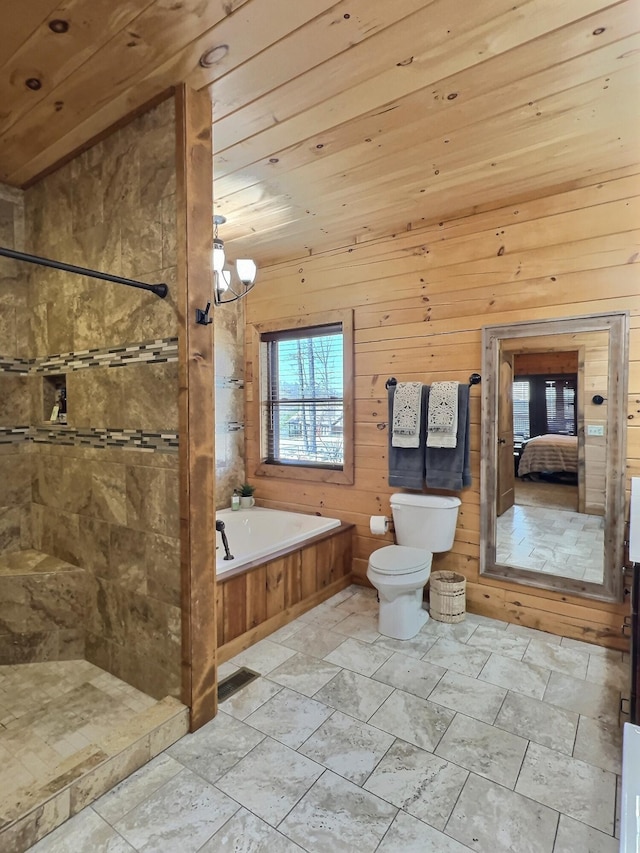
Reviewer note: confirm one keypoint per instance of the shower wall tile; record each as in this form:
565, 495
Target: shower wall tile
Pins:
107, 209
108, 491
142, 241
113, 511
127, 564
162, 555
15, 400
229, 400
95, 398
153, 501
94, 543
56, 532
150, 396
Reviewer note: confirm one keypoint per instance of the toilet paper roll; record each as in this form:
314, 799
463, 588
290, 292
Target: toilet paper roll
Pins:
379, 524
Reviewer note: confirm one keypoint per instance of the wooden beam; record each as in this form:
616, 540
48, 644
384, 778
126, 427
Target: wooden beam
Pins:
196, 405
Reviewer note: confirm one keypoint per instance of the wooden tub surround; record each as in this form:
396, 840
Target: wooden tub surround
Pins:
257, 599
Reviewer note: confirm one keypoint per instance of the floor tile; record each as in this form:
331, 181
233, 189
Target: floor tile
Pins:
247, 700
573, 787
216, 747
479, 619
491, 819
460, 631
416, 647
354, 694
137, 787
486, 750
584, 697
289, 717
599, 744
590, 648
246, 833
263, 657
251, 781
286, 632
323, 616
457, 656
407, 834
314, 641
363, 600
338, 815
360, 626
413, 676
348, 747
603, 670
538, 721
576, 837
158, 824
359, 657
418, 782
469, 695
516, 675
533, 634
413, 719
304, 674
499, 641
558, 658
85, 831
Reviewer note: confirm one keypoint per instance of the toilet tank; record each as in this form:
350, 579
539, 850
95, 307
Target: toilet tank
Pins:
425, 521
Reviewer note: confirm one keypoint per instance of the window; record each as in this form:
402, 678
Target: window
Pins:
306, 398
544, 404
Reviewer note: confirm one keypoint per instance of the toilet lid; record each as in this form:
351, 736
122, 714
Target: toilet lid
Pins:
399, 560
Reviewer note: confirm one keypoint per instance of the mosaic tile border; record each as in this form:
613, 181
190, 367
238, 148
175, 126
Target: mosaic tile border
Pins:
15, 435
15, 365
156, 351
229, 382
125, 439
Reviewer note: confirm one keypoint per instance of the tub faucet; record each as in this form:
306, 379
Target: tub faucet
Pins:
220, 528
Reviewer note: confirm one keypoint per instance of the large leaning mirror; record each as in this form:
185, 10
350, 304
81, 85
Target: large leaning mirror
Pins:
553, 454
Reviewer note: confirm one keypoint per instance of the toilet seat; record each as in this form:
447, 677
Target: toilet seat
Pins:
399, 560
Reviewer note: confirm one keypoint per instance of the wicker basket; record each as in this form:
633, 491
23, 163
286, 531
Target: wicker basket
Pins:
447, 596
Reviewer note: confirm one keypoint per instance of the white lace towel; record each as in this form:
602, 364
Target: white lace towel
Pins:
442, 423
407, 404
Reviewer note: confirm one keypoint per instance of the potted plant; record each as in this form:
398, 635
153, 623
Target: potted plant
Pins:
246, 495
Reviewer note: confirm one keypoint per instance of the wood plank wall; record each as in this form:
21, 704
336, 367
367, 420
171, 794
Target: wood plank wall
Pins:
420, 299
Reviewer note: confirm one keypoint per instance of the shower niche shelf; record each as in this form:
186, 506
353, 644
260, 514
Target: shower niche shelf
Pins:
54, 399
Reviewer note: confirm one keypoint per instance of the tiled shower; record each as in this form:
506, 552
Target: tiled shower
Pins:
90, 618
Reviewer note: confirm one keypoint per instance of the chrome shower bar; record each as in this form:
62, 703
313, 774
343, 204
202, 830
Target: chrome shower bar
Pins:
160, 290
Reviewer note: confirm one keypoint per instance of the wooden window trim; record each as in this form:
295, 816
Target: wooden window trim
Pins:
302, 473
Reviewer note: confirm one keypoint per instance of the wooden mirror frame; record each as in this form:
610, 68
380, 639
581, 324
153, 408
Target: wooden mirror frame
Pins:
617, 324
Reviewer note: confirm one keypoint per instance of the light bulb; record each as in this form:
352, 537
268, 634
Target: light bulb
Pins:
223, 280
246, 269
218, 254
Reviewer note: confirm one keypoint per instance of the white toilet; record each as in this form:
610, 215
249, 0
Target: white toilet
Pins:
425, 524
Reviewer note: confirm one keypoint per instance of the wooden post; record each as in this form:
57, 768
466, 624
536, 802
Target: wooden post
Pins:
196, 404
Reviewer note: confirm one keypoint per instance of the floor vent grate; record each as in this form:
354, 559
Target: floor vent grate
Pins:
230, 685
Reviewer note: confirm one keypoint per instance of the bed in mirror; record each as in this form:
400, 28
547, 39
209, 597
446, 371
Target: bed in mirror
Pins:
553, 453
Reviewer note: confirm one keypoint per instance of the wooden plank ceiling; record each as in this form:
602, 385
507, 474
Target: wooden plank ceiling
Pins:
335, 122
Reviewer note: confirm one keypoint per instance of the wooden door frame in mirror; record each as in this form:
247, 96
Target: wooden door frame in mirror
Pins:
617, 324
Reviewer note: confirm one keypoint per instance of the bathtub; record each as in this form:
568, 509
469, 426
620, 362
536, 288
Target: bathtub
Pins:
256, 533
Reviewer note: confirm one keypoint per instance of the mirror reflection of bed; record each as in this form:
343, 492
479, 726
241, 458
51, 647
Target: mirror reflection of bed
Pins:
551, 474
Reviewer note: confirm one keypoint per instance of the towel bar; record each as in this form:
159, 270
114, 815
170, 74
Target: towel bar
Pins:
474, 379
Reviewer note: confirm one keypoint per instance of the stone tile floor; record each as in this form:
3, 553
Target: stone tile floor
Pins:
51, 710
560, 542
477, 736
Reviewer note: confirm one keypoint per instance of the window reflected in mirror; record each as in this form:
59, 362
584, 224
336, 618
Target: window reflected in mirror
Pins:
544, 522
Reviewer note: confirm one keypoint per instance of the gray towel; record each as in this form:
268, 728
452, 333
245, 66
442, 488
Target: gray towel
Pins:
406, 464
449, 468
